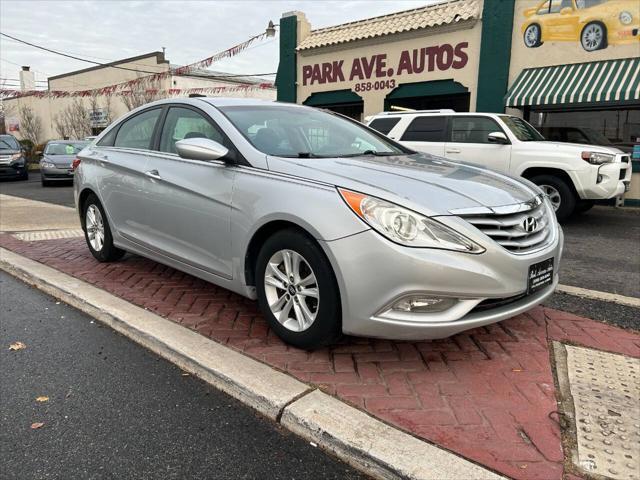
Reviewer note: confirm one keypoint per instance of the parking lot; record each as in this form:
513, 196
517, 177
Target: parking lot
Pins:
602, 252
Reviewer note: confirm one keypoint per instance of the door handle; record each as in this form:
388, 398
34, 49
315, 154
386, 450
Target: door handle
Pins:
452, 150
153, 174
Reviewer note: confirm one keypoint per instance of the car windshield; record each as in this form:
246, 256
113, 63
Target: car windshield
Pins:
8, 142
521, 129
64, 148
306, 133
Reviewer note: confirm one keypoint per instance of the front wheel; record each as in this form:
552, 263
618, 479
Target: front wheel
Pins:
560, 194
297, 290
593, 37
97, 232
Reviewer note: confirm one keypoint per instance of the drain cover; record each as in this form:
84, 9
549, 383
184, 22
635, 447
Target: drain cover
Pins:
49, 234
605, 391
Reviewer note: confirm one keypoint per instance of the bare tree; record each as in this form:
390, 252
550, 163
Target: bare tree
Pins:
74, 121
140, 94
62, 127
30, 124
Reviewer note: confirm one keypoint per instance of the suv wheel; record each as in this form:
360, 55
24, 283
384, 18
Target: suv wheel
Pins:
560, 194
97, 232
297, 290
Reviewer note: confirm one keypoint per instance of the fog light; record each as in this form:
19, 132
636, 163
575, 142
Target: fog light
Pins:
599, 179
423, 304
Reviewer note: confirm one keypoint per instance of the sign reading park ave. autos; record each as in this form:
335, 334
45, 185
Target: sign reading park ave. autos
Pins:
382, 69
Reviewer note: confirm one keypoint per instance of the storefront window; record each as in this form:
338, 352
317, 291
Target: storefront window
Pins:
614, 127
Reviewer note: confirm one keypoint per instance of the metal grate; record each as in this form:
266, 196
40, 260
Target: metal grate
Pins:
516, 231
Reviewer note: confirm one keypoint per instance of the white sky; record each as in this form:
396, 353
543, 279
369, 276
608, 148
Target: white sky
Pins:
107, 30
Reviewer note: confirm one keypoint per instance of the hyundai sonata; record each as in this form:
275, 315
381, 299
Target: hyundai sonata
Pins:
330, 225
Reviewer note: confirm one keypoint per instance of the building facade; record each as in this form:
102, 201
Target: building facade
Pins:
103, 106
570, 67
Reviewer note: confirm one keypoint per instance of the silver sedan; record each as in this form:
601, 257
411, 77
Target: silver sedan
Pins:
331, 226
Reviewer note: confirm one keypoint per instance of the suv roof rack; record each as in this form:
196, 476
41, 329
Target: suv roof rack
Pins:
405, 112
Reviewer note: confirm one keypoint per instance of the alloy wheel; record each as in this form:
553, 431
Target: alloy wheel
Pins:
554, 196
531, 36
592, 37
292, 290
95, 227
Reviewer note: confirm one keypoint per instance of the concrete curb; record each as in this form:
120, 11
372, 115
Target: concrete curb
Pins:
353, 436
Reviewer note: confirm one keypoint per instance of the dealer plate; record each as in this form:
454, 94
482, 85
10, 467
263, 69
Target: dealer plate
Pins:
540, 275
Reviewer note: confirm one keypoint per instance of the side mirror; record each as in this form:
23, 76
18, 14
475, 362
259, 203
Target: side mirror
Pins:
38, 152
566, 11
201, 149
497, 137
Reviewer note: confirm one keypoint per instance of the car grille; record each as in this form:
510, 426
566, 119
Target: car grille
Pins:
516, 232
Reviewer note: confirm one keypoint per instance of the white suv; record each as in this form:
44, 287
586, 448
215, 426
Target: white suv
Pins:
573, 176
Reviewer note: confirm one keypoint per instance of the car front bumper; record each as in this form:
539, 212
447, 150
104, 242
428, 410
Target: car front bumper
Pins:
373, 273
56, 173
8, 170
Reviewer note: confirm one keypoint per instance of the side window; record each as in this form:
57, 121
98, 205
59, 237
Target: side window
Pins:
472, 129
426, 129
384, 125
138, 131
184, 123
109, 139
544, 8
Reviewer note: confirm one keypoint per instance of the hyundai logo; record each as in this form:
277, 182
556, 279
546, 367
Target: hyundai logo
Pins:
530, 224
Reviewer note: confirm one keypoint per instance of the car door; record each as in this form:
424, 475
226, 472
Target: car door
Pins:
562, 21
426, 133
468, 141
188, 202
121, 157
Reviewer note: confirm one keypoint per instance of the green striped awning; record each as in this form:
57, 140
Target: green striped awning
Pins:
594, 82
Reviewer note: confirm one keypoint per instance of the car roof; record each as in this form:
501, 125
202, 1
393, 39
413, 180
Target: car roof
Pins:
430, 113
66, 141
224, 102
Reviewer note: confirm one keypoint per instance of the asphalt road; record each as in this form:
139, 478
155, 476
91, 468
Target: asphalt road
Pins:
115, 410
59, 193
602, 252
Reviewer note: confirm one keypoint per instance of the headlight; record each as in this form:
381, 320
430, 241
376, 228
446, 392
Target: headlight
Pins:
625, 17
596, 158
15, 157
406, 227
47, 165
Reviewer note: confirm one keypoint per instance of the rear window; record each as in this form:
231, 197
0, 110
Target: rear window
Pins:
426, 129
384, 125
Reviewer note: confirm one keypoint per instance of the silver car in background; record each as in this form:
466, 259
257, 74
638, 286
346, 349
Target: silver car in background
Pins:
57, 160
332, 226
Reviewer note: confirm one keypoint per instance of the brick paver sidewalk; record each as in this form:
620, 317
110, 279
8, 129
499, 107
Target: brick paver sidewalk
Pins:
487, 394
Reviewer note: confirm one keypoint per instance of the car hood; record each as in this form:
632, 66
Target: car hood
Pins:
428, 184
59, 160
572, 147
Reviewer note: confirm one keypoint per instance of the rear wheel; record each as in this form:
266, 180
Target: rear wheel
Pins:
297, 290
593, 37
532, 36
560, 194
97, 232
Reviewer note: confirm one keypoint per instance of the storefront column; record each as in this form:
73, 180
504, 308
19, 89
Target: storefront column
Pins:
373, 104
294, 27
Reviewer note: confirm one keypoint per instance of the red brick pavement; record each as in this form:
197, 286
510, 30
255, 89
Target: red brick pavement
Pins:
487, 394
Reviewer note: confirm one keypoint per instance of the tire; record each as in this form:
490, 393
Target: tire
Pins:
326, 325
25, 175
593, 37
104, 250
584, 206
532, 36
45, 183
560, 193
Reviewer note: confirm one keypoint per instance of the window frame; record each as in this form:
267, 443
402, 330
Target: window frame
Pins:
445, 131
117, 128
234, 155
450, 130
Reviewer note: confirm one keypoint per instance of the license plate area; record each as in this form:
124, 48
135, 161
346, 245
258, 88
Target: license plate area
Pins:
540, 275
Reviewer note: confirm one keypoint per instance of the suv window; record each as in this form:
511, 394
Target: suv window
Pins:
472, 129
384, 125
182, 123
426, 129
138, 131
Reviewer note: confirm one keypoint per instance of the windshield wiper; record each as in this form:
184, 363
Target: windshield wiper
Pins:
369, 152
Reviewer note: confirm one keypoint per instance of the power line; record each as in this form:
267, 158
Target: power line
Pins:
40, 47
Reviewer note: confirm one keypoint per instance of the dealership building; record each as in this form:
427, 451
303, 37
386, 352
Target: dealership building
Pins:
570, 67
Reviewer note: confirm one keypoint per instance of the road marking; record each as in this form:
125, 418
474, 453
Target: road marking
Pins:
597, 295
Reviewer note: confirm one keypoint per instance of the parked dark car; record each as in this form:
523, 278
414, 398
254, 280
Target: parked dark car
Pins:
57, 160
13, 163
